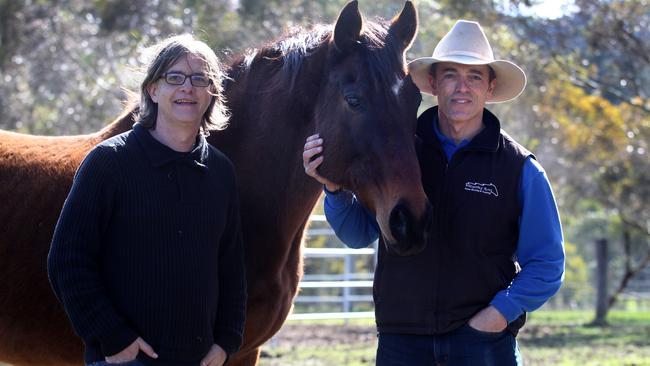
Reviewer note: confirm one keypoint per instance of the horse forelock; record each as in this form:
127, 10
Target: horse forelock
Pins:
384, 58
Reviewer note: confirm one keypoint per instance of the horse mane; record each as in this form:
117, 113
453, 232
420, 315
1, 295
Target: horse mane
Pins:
281, 59
289, 52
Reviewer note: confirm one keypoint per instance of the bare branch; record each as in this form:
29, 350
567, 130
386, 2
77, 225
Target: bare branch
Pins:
596, 85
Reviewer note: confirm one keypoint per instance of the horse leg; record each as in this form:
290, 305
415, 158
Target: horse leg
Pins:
246, 359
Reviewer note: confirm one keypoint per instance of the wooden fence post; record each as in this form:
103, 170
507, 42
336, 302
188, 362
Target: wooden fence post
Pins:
602, 257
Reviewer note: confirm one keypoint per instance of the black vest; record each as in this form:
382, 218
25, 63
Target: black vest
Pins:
469, 254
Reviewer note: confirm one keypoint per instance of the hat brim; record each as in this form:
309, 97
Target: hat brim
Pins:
511, 79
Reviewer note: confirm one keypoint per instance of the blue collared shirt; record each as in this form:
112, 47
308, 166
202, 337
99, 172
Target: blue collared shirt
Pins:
540, 249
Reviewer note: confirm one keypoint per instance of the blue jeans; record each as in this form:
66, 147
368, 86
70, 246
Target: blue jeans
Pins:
104, 363
464, 346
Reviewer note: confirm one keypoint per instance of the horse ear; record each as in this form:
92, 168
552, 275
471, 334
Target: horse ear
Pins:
405, 25
348, 26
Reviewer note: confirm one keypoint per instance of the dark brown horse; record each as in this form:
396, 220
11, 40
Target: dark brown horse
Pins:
347, 82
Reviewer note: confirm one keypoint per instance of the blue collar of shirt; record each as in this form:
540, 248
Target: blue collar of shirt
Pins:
448, 145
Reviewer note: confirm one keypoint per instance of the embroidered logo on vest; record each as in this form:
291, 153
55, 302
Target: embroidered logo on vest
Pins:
486, 188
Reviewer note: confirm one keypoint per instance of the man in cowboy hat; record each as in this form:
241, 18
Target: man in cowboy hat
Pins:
496, 248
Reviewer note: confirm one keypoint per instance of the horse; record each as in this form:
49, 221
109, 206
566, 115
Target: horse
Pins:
346, 81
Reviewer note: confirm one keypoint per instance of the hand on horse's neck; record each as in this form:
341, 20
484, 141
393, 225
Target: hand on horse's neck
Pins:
177, 138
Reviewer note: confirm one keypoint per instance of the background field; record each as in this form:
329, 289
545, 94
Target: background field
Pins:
549, 338
559, 338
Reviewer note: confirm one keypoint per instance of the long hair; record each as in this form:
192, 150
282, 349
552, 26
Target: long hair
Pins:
166, 54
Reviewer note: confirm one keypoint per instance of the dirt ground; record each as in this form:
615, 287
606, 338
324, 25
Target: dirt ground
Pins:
543, 342
324, 335
312, 345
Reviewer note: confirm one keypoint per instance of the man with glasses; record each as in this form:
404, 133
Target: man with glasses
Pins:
147, 254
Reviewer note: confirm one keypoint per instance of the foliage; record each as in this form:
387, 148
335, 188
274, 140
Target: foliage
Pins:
602, 134
575, 289
588, 120
605, 148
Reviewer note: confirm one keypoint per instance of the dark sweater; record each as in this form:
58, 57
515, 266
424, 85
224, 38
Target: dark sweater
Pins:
149, 244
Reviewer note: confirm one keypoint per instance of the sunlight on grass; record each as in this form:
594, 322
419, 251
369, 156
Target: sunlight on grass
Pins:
565, 338
549, 338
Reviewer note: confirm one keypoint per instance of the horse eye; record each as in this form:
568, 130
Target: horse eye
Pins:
353, 102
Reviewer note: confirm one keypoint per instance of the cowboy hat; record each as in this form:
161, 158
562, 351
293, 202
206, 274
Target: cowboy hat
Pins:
467, 44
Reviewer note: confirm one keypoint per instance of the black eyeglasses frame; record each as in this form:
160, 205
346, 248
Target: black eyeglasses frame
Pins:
192, 77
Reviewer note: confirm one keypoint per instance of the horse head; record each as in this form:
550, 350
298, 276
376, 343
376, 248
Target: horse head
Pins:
367, 119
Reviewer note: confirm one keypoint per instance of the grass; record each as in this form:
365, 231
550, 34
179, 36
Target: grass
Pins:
322, 342
561, 338
565, 338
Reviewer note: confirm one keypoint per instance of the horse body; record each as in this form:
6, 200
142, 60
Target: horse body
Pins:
35, 175
307, 83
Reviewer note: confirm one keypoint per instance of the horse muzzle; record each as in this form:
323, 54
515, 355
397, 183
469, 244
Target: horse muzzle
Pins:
409, 232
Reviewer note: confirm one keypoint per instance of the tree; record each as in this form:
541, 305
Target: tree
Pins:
63, 64
596, 99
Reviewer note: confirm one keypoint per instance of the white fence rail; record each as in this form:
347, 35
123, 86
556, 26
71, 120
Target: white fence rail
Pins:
345, 281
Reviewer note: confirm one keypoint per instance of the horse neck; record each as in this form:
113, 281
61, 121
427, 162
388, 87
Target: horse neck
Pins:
268, 128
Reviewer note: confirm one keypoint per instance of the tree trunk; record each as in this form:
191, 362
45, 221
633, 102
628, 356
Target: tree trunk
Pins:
601, 283
630, 270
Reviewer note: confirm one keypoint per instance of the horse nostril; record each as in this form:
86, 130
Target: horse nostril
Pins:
400, 221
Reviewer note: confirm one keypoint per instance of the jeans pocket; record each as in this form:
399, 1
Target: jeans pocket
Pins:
482, 333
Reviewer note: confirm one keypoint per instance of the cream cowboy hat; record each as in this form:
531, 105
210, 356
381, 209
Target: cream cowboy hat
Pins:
467, 44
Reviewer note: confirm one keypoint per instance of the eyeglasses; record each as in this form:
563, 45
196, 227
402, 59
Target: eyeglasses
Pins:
178, 78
